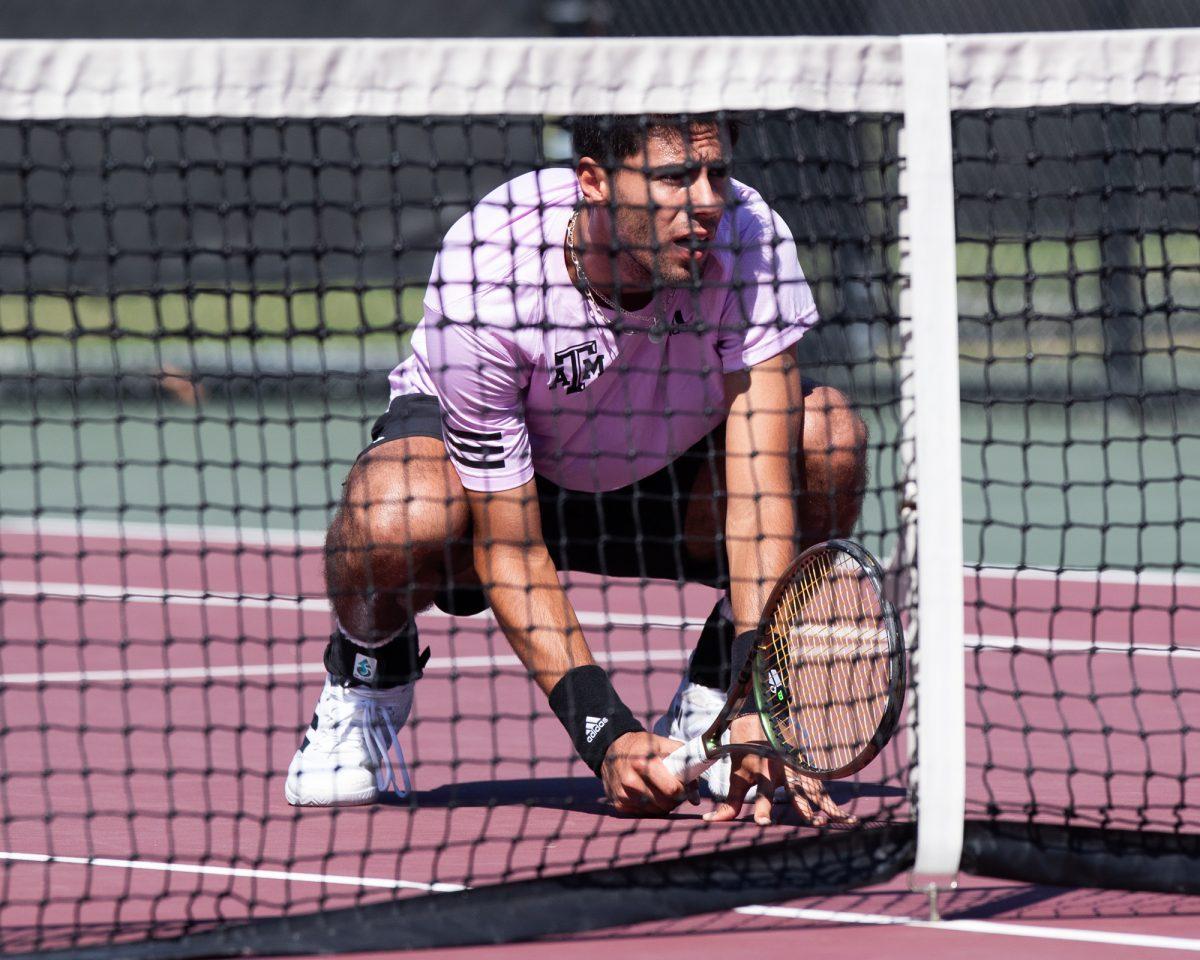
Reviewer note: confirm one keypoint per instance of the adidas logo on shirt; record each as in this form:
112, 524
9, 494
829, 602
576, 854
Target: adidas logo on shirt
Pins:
592, 726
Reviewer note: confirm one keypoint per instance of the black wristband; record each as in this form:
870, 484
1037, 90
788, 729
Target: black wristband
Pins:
739, 654
587, 705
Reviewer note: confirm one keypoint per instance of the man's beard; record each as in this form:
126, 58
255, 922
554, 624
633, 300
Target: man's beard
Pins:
641, 262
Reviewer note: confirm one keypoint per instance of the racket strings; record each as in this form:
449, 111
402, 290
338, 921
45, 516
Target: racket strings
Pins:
829, 647
849, 598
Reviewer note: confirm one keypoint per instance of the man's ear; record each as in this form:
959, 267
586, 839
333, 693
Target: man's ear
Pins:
593, 180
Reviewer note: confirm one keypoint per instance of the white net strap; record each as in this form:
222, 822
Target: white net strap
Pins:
309, 78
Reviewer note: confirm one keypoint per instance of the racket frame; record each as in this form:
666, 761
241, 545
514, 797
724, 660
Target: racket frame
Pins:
897, 667
751, 681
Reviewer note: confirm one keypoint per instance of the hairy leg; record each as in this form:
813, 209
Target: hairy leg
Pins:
400, 533
832, 466
401, 520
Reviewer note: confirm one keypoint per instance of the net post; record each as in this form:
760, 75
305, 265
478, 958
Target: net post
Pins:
931, 418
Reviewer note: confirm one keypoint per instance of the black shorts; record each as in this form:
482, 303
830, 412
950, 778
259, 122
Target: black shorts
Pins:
634, 531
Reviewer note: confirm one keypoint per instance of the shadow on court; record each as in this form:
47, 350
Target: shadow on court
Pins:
578, 794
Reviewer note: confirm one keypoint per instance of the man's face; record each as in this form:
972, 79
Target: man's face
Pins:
669, 199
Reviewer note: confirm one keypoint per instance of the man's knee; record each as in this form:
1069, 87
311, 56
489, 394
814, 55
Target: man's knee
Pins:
403, 511
834, 470
834, 433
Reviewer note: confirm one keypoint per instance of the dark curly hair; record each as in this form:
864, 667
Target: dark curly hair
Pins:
613, 137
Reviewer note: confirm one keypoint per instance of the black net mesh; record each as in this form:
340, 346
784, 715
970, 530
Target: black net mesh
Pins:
199, 320
199, 317
1078, 296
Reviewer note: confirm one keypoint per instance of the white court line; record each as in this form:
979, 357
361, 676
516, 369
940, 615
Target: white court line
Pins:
502, 660
316, 667
986, 642
1149, 577
103, 592
110, 593
275, 536
983, 927
990, 927
207, 870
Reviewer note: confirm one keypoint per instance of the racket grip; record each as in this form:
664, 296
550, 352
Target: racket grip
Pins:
689, 761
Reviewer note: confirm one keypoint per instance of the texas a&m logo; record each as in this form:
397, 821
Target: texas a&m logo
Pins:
576, 367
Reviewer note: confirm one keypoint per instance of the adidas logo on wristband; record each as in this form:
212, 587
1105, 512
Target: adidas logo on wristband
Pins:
588, 707
592, 726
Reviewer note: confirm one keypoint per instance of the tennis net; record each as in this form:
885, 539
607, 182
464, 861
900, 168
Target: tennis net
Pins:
213, 253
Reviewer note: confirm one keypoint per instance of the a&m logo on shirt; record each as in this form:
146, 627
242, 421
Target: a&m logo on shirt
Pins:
576, 367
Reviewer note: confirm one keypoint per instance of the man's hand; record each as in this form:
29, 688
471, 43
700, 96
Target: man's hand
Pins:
635, 779
813, 803
750, 770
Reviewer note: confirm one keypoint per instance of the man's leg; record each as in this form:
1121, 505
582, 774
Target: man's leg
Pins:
832, 465
401, 529
401, 532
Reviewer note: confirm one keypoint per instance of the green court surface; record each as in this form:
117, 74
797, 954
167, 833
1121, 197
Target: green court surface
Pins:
1081, 485
1066, 482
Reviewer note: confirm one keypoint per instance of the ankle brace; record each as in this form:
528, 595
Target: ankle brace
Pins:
389, 664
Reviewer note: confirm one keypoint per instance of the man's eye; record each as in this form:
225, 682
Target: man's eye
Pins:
718, 172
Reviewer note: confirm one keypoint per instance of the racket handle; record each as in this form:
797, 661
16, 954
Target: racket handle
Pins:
689, 761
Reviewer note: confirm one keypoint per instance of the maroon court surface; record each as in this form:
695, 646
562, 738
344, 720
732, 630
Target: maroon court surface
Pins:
155, 687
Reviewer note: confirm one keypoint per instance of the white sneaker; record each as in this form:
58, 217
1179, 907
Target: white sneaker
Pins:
692, 711
344, 758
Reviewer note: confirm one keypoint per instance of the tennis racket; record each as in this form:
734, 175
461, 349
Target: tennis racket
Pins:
827, 671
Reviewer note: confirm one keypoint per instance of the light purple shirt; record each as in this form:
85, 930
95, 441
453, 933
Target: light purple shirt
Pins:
532, 377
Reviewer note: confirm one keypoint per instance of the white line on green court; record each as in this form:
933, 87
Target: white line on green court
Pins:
253, 874
988, 927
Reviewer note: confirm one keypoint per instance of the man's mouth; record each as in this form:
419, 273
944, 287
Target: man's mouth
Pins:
692, 247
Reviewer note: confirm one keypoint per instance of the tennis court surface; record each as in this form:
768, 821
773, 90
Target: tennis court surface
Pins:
197, 731
207, 269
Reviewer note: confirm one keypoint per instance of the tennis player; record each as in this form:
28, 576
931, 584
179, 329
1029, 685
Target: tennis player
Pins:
603, 381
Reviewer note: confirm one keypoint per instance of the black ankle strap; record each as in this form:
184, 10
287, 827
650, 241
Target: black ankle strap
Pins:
395, 663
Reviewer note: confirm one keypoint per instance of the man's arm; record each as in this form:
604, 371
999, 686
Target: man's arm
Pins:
762, 437
762, 434
537, 618
523, 586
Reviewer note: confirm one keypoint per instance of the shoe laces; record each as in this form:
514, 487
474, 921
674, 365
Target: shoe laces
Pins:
379, 736
371, 714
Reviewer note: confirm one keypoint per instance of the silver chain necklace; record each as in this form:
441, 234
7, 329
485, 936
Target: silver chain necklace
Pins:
588, 289
658, 329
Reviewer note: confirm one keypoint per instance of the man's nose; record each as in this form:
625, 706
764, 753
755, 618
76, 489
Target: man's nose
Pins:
706, 203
